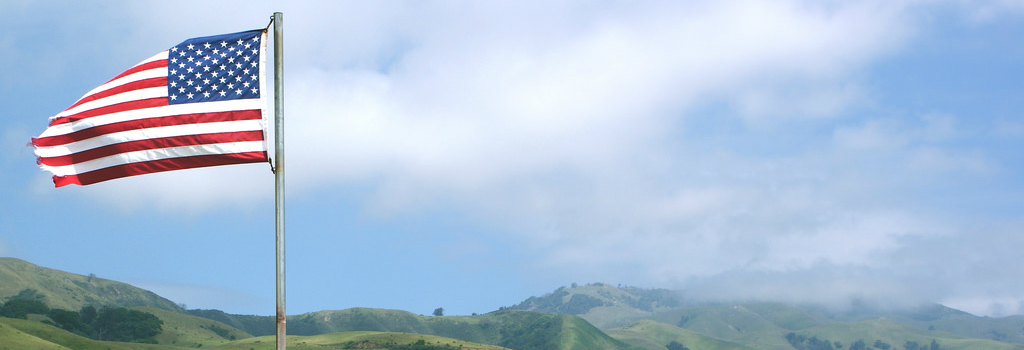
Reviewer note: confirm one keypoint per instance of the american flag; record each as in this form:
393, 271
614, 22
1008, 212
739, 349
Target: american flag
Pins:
194, 105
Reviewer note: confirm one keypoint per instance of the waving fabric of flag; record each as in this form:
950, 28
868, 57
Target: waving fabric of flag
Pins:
197, 104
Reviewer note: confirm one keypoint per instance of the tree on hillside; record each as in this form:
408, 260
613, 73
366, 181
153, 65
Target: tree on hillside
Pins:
674, 345
69, 320
20, 308
802, 342
439, 311
121, 324
88, 314
28, 294
109, 323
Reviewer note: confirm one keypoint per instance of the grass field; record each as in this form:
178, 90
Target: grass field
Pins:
353, 340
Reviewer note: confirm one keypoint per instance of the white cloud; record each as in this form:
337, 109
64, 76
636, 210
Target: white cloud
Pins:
509, 102
567, 134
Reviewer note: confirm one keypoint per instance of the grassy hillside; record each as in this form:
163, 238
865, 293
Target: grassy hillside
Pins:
608, 306
942, 318
357, 319
255, 325
29, 335
737, 323
63, 290
358, 340
515, 329
567, 319
18, 334
604, 305
654, 335
192, 331
838, 335
897, 335
14, 339
577, 333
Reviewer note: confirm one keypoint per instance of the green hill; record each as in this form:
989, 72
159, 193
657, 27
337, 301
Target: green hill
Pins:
30, 335
357, 319
18, 334
898, 336
515, 329
604, 305
63, 290
181, 329
654, 335
941, 318
570, 318
359, 340
740, 324
765, 325
14, 338
255, 325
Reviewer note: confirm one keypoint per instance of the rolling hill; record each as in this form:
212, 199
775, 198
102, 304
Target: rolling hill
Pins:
638, 317
594, 316
515, 329
604, 305
63, 290
655, 335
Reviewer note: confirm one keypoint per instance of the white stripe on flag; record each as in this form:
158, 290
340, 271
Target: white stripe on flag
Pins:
150, 133
155, 154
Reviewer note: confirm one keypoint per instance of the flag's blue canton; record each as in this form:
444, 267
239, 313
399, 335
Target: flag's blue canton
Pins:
214, 68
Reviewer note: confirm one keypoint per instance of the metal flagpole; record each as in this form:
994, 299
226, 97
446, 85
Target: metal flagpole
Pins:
279, 173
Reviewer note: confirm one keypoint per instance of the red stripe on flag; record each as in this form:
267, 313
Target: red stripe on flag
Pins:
155, 166
135, 85
141, 67
139, 145
85, 134
114, 108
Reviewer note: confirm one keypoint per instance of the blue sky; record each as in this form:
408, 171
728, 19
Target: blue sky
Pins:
469, 155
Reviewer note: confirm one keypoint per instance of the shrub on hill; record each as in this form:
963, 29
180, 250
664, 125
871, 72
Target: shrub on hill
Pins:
120, 324
674, 345
111, 323
20, 308
813, 343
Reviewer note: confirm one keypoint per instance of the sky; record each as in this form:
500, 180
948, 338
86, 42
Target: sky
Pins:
468, 155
